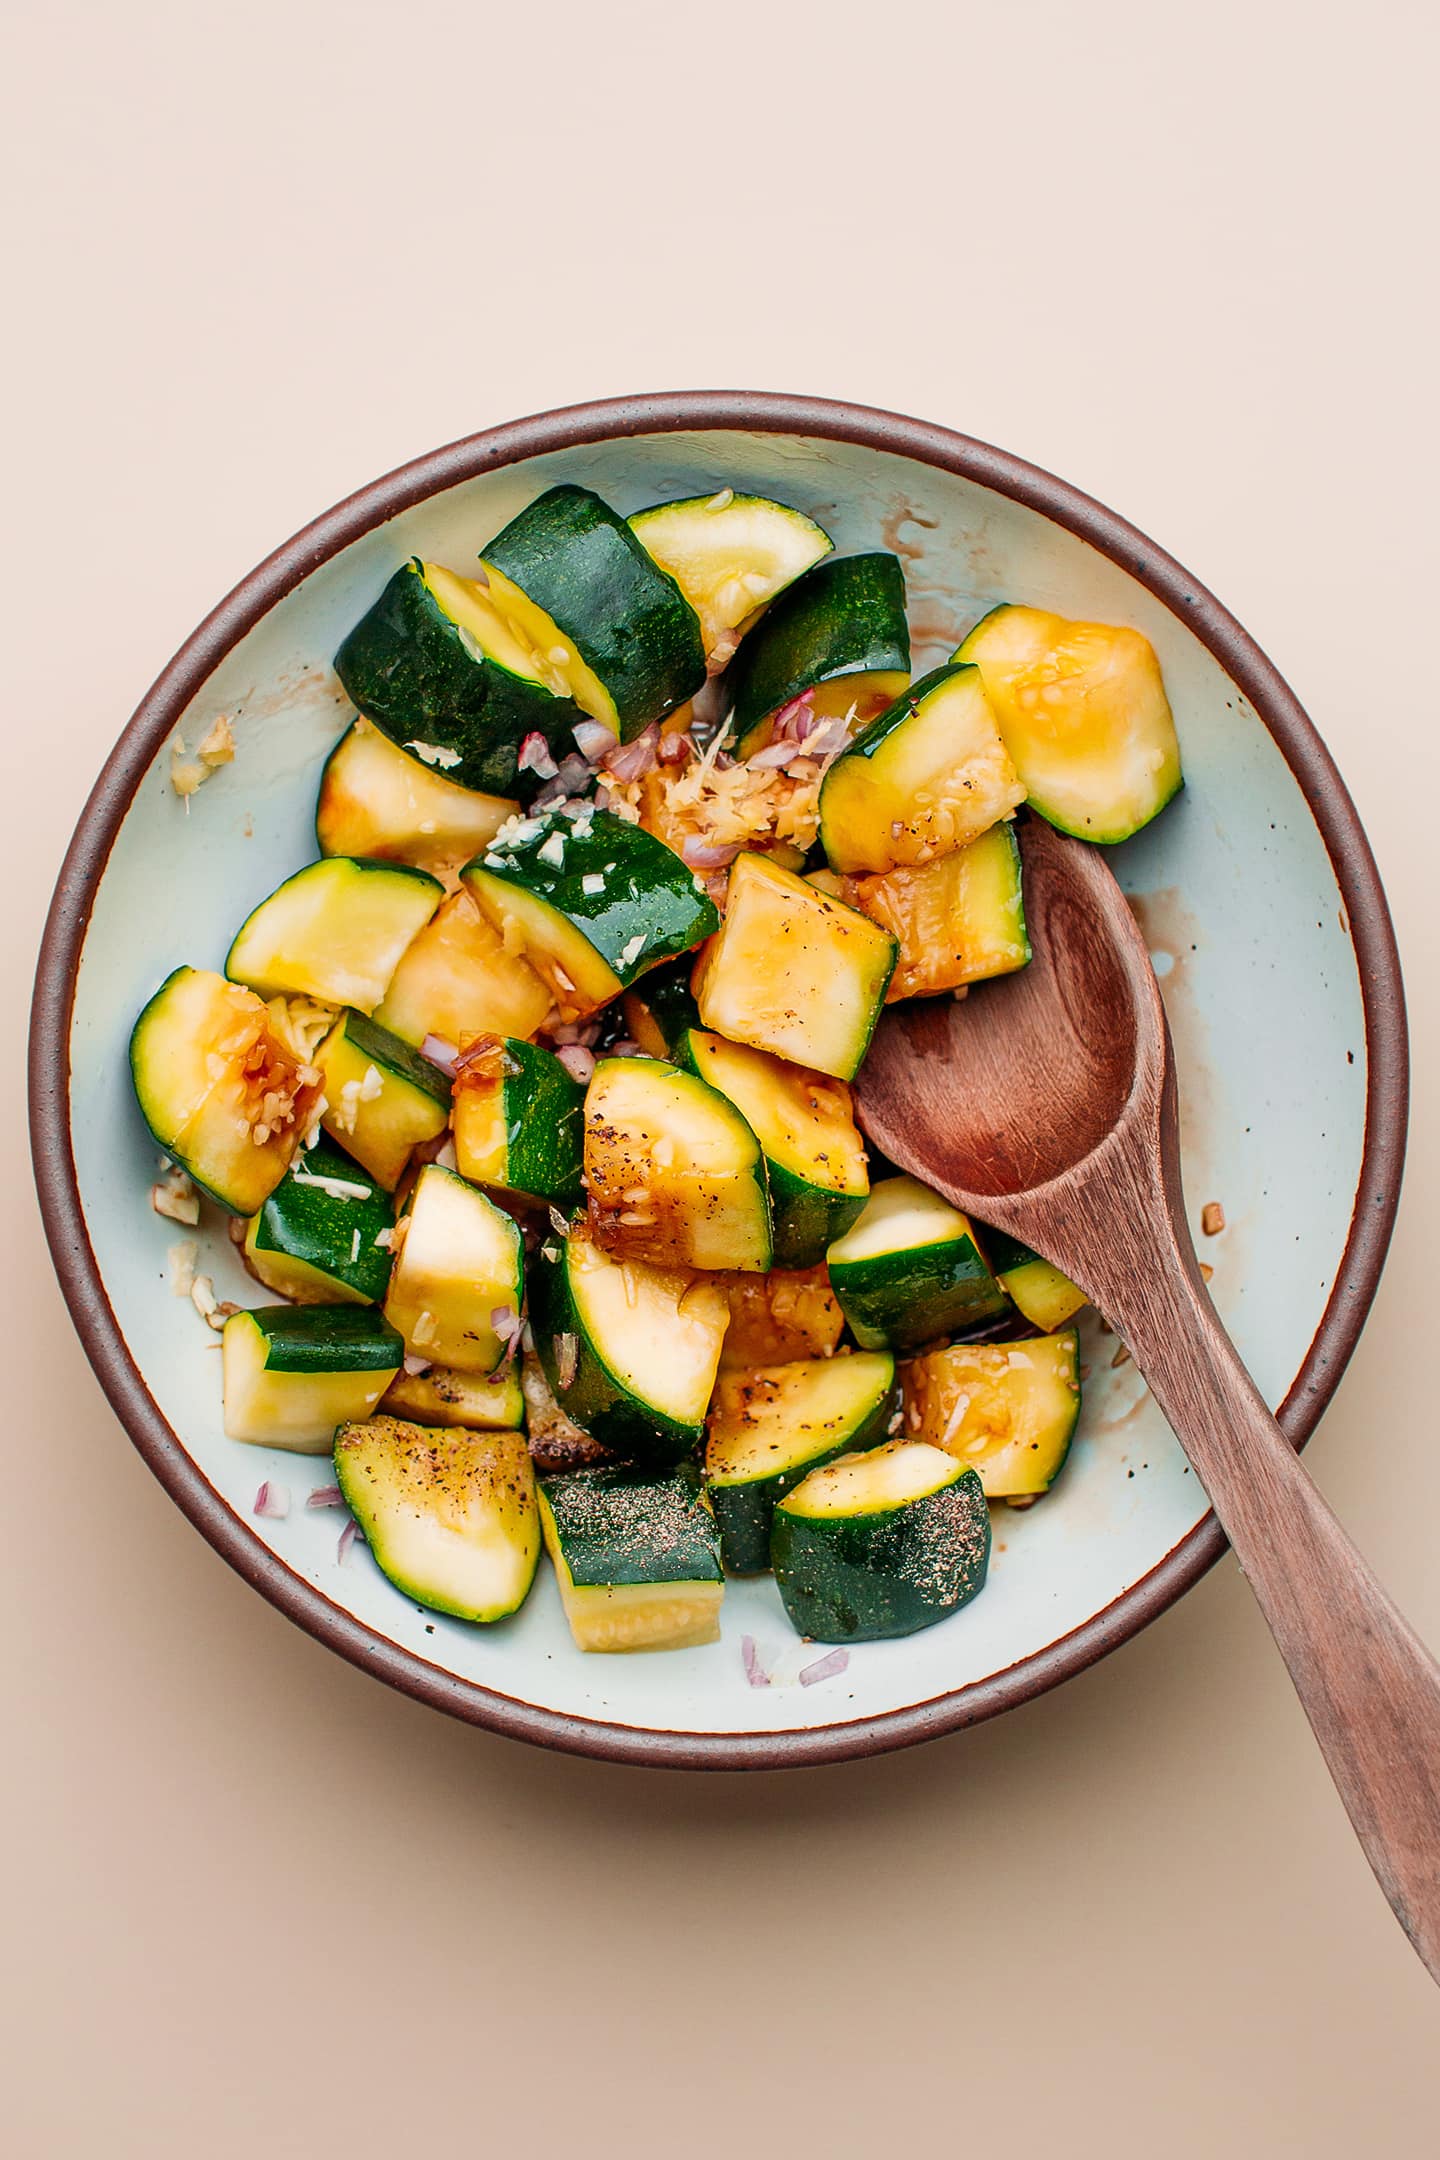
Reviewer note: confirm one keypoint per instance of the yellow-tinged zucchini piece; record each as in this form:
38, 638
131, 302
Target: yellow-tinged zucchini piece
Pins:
769, 1428
450, 1516
335, 931
1046, 1297
383, 1100
637, 1557
518, 1117
457, 1288
442, 1396
292, 1373
378, 802
675, 1174
730, 555
926, 776
960, 919
1008, 1410
793, 971
323, 1236
789, 1314
457, 980
218, 1088
911, 1270
1083, 711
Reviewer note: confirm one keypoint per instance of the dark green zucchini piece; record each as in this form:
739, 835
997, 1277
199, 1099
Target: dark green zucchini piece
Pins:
591, 902
1046, 1297
1008, 1410
292, 1373
630, 1351
637, 1557
768, 1428
518, 1124
450, 1516
880, 1544
660, 1007
592, 585
383, 1100
910, 1270
441, 671
315, 1239
845, 617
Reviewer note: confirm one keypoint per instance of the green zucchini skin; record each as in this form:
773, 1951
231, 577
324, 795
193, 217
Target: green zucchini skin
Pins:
407, 668
594, 1398
303, 1221
648, 893
745, 1511
869, 1578
901, 1300
393, 1055
542, 1111
1045, 1296
327, 1339
617, 1526
846, 616
666, 1000
577, 559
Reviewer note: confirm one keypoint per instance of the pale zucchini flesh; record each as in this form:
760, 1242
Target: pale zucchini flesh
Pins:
730, 555
378, 802
449, 1516
459, 1265
335, 931
456, 979
271, 1404
442, 1396
958, 920
383, 1100
675, 1175
1006, 1410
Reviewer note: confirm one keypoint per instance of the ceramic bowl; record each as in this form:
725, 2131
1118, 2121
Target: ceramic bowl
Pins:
1262, 908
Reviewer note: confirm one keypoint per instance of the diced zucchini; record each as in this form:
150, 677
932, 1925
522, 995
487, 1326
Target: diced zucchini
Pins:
926, 776
637, 1557
778, 1318
960, 919
383, 1100
768, 1428
674, 1173
1007, 1410
458, 980
880, 1544
660, 1007
218, 1088
805, 1123
630, 1351
590, 902
449, 1516
1083, 711
314, 1240
453, 679
730, 555
292, 1373
335, 931
793, 971
442, 1396
910, 1270
459, 1267
573, 575
518, 1121
1046, 1297
378, 802
845, 618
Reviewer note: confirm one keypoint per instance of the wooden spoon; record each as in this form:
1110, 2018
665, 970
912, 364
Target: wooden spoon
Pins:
1045, 1103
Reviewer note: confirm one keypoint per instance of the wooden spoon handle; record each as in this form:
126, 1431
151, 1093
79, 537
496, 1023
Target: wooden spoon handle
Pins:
1369, 1687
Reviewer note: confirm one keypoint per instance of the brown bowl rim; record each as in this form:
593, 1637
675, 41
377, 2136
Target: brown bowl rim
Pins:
1377, 959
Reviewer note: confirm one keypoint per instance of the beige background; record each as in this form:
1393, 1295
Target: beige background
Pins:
257, 1904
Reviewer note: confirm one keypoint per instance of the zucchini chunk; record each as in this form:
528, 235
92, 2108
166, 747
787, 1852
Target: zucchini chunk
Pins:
442, 1396
219, 1090
449, 1516
591, 903
451, 679
637, 1557
314, 1239
841, 625
459, 1267
377, 802
518, 1120
1008, 1410
630, 1351
335, 931
930, 773
959, 920
805, 1123
880, 1544
292, 1373
793, 971
1045, 1297
779, 1318
660, 1007
1083, 711
383, 1100
586, 592
910, 1270
768, 1428
730, 555
675, 1175
457, 980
